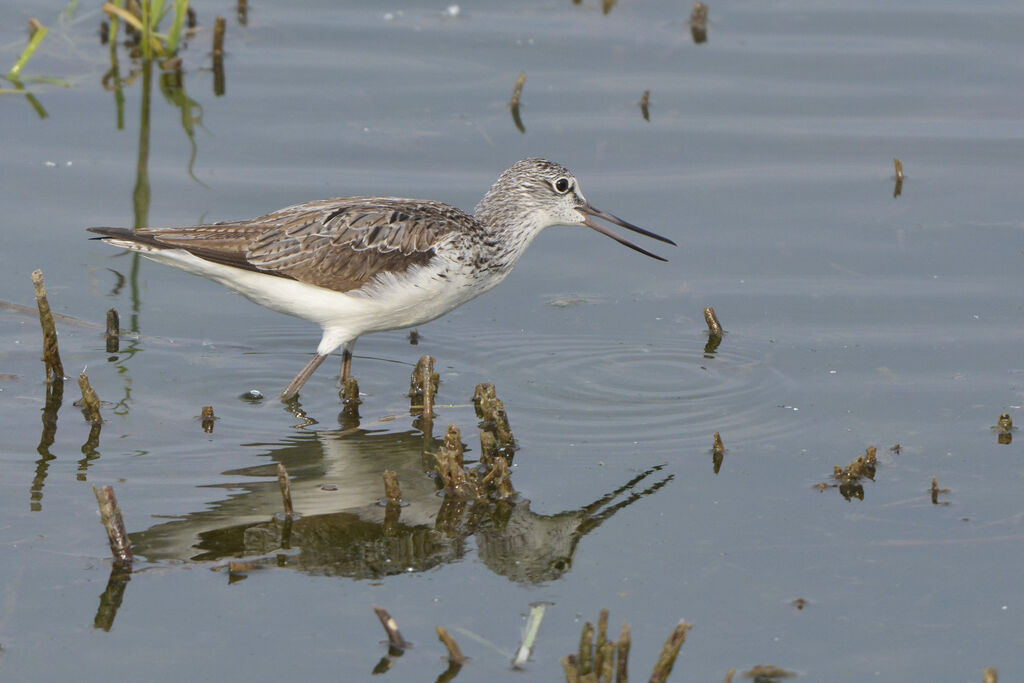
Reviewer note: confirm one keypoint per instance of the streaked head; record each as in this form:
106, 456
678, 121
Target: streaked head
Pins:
534, 194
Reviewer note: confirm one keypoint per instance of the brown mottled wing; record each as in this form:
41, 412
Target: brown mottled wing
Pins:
339, 244
350, 241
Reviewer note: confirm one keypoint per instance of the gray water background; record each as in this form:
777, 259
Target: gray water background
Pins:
854, 318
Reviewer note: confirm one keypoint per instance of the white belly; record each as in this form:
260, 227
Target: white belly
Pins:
389, 302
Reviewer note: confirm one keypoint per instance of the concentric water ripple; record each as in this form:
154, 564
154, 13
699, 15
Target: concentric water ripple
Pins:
591, 388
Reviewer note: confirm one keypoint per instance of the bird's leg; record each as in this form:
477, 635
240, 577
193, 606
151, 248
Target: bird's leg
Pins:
346, 365
303, 375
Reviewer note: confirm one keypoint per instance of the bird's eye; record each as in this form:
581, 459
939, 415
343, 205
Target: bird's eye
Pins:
562, 185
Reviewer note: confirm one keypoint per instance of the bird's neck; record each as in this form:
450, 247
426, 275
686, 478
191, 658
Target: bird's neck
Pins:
509, 229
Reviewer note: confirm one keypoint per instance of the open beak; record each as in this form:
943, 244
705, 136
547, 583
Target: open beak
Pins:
591, 212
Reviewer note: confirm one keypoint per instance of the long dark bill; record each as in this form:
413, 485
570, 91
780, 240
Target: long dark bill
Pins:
589, 211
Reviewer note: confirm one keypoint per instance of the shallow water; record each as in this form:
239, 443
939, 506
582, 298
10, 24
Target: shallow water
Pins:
854, 318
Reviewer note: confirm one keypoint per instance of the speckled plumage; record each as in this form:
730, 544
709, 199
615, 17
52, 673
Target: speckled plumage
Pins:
366, 264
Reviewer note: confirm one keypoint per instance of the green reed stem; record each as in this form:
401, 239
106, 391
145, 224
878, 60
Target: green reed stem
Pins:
27, 53
174, 35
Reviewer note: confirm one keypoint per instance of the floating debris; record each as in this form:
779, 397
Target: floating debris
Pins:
799, 603
395, 639
598, 662
1004, 429
491, 411
113, 522
207, 418
849, 477
113, 331
455, 655
392, 490
243, 12
537, 610
766, 673
669, 651
715, 331
990, 675
90, 401
51, 354
645, 100
898, 190
499, 479
219, 81
450, 466
286, 490
350, 397
219, 25
253, 396
607, 5
936, 492
711, 318
513, 104
423, 386
699, 22
717, 452
414, 337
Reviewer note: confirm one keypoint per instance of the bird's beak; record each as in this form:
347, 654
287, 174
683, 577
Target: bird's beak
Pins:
592, 212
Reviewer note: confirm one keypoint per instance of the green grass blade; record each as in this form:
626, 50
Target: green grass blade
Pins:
174, 34
26, 54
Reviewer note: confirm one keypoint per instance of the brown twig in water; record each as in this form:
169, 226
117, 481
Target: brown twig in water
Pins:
699, 22
208, 418
602, 640
392, 491
488, 447
729, 675
395, 638
718, 448
711, 318
449, 466
491, 410
517, 91
90, 401
453, 443
51, 355
286, 489
645, 100
422, 387
898, 190
990, 675
513, 104
585, 657
571, 668
622, 651
219, 24
669, 651
936, 492
113, 332
499, 477
717, 452
219, 80
350, 397
455, 655
113, 522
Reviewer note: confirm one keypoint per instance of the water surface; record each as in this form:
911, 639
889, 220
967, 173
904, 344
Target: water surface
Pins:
854, 318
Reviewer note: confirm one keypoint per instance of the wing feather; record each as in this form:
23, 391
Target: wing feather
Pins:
340, 244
